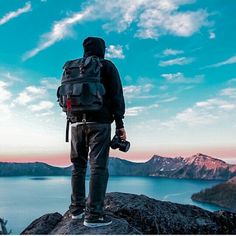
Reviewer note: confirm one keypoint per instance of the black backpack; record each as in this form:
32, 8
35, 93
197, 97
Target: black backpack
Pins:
81, 89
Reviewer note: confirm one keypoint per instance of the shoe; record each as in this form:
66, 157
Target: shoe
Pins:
77, 215
97, 222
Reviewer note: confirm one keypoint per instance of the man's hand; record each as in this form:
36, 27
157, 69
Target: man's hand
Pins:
121, 133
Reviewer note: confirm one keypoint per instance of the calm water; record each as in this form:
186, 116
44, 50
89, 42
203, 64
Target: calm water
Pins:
22, 199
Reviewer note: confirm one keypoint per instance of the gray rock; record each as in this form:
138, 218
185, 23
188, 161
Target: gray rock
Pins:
118, 226
151, 216
139, 214
44, 224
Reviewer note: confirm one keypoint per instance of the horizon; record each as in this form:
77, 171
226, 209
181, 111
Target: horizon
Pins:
176, 61
229, 161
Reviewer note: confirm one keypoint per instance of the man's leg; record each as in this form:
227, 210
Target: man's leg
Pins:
99, 142
79, 157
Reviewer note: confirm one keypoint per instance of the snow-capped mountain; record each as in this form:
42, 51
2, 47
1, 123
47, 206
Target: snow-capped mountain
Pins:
198, 166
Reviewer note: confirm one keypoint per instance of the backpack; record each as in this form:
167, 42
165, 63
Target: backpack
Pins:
81, 89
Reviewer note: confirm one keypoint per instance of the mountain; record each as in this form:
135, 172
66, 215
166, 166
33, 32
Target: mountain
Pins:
198, 166
137, 215
31, 169
223, 195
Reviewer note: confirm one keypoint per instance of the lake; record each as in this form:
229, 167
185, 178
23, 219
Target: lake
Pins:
23, 199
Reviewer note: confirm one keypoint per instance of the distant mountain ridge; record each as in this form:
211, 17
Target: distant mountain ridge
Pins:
198, 166
223, 195
31, 169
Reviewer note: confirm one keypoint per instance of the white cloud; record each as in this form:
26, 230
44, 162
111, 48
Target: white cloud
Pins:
180, 78
163, 87
171, 52
147, 87
170, 99
155, 22
233, 80
131, 90
14, 14
215, 103
134, 111
29, 94
152, 18
5, 97
137, 110
9, 76
50, 83
212, 35
192, 116
60, 29
115, 51
5, 94
41, 106
231, 60
177, 61
231, 92
203, 113
138, 91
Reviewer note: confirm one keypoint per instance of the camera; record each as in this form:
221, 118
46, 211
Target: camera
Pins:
117, 142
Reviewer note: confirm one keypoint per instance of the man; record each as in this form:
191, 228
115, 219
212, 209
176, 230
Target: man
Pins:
95, 136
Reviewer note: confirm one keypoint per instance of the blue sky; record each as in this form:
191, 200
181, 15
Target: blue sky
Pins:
176, 58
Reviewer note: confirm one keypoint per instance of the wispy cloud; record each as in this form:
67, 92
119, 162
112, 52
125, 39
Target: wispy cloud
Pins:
203, 113
155, 22
5, 96
166, 100
171, 52
230, 92
180, 78
50, 83
41, 106
212, 35
9, 76
138, 91
134, 111
231, 60
29, 94
233, 80
176, 61
137, 110
13, 14
115, 51
152, 19
60, 30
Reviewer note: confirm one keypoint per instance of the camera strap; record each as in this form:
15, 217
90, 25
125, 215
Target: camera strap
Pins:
85, 129
67, 130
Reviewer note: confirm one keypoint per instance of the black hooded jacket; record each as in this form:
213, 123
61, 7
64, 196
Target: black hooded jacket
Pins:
114, 106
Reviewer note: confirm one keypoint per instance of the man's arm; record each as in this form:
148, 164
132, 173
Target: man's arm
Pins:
117, 98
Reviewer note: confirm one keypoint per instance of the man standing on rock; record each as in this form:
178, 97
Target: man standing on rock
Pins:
91, 135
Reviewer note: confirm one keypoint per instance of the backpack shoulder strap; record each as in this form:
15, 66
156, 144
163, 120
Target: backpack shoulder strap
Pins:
71, 62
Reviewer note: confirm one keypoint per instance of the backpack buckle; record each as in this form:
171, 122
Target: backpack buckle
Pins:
84, 119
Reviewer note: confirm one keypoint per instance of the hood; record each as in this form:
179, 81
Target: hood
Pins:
94, 46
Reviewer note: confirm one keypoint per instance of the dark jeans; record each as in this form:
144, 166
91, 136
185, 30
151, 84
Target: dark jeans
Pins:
93, 139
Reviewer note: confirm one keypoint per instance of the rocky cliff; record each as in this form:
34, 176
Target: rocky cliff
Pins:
139, 214
223, 195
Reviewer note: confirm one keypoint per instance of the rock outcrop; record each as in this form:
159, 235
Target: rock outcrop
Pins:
139, 214
223, 195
